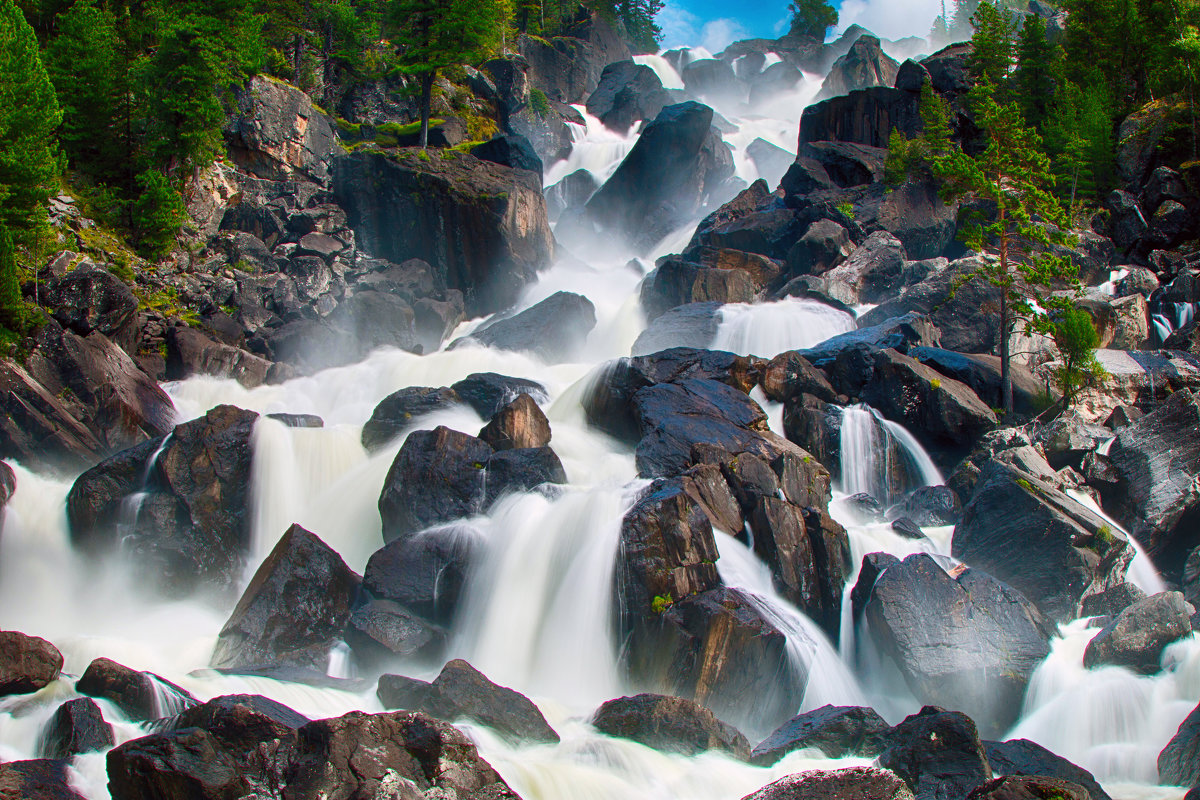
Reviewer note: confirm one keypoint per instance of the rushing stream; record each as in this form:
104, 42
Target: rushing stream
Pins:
536, 614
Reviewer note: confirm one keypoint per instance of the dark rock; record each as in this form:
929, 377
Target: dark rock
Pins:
982, 374
1111, 601
399, 410
771, 161
676, 282
403, 207
1123, 416
1156, 460
1029, 788
627, 94
866, 116
359, 755
873, 271
1023, 757
1171, 225
487, 392
864, 65
854, 783
720, 649
520, 424
773, 81
949, 69
442, 475
41, 779
572, 192
382, 632
1127, 223
555, 329
509, 150
907, 528
277, 133
944, 413
365, 321
755, 221
837, 731
937, 753
822, 247
425, 574
76, 727
294, 610
139, 695
193, 525
911, 76
568, 67
184, 763
89, 299
790, 375
27, 663
241, 722
677, 163
1137, 637
1069, 438
896, 333
462, 692
932, 505
190, 352
692, 326
964, 640
1179, 761
1029, 534
672, 724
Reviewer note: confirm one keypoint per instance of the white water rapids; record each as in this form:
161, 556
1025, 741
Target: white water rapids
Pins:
536, 616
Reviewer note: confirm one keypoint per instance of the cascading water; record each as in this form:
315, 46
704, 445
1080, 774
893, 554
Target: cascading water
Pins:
773, 328
881, 458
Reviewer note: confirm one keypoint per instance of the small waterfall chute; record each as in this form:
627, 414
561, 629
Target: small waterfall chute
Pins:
768, 329
880, 458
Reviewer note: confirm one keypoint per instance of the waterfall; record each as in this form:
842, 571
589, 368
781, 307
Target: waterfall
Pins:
881, 458
767, 329
595, 148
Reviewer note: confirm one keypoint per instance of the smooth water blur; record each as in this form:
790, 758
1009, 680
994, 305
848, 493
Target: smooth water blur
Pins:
768, 329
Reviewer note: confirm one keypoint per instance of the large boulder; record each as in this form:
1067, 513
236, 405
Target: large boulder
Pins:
1023, 757
1048, 546
38, 429
278, 133
482, 226
399, 410
1029, 788
424, 574
190, 352
555, 329
853, 783
712, 80
462, 692
898, 333
863, 66
963, 641
1179, 761
183, 763
294, 610
866, 116
692, 326
488, 392
520, 424
442, 475
77, 727
627, 94
982, 374
676, 164
27, 663
1156, 461
140, 695
837, 731
407, 753
873, 271
88, 299
677, 282
938, 754
944, 413
1137, 637
190, 523
669, 723
568, 67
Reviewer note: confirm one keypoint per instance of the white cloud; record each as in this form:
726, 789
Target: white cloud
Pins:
680, 27
889, 18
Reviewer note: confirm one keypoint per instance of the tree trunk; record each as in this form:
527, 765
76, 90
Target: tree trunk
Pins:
1006, 389
426, 100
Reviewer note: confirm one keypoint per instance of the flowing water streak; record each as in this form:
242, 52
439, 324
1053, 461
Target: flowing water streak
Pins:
1142, 572
768, 329
868, 445
595, 148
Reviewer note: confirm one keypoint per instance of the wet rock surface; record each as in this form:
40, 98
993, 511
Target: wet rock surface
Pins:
855, 783
837, 731
669, 723
27, 663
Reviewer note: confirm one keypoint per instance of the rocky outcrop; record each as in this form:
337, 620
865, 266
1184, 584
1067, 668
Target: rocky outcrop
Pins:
192, 525
76, 727
864, 65
672, 724
277, 133
39, 779
481, 226
1137, 637
963, 641
627, 94
676, 282
554, 330
1030, 535
567, 67
190, 352
520, 424
443, 475
982, 374
294, 610
462, 692
90, 299
854, 783
27, 663
837, 731
866, 116
1156, 461
677, 165
873, 271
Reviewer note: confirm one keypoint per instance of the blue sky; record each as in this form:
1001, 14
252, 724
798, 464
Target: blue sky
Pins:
710, 24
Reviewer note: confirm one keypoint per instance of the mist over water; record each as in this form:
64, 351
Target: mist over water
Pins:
537, 611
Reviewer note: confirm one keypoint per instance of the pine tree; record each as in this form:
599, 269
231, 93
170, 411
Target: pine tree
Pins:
158, 213
436, 34
29, 114
994, 55
812, 18
1010, 176
1036, 72
12, 307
